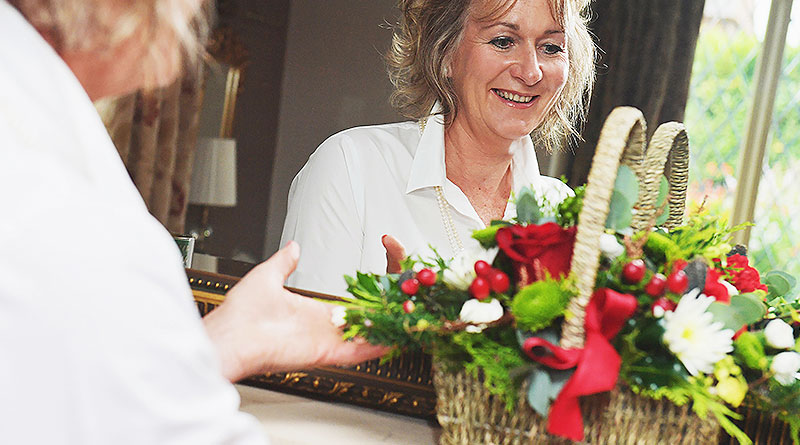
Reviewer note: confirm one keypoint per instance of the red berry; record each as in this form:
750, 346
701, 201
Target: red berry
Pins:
479, 288
655, 287
677, 282
482, 268
410, 286
665, 304
499, 281
408, 306
633, 272
426, 277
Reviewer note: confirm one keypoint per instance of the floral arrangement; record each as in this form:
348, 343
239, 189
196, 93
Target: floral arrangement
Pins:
677, 314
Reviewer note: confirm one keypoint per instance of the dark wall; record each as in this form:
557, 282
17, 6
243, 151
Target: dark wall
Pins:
262, 26
334, 78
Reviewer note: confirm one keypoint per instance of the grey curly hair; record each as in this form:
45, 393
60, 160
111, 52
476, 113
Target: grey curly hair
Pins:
428, 34
98, 25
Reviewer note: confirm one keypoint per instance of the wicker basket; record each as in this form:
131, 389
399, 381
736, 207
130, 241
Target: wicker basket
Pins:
466, 411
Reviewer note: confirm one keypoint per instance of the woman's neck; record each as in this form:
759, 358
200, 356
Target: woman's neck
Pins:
481, 168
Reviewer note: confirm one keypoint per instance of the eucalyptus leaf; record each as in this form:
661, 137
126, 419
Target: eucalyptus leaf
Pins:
744, 309
545, 385
663, 192
627, 184
779, 283
528, 210
619, 212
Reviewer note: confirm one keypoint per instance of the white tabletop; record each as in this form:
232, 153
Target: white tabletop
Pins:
294, 420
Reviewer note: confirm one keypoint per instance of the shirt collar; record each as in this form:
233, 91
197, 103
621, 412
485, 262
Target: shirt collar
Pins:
428, 168
524, 166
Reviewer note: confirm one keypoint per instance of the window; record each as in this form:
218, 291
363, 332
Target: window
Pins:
745, 151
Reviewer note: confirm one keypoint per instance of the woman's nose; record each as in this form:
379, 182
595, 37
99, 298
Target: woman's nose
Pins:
527, 68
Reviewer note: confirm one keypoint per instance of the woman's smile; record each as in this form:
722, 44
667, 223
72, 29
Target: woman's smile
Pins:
513, 99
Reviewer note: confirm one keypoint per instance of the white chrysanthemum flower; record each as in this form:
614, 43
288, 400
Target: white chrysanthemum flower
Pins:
779, 334
477, 312
693, 336
785, 366
461, 270
610, 247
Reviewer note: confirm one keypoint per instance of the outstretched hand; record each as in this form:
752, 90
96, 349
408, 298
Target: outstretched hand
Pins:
262, 327
395, 253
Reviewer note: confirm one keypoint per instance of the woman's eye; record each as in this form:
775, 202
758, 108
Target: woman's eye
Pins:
552, 48
502, 42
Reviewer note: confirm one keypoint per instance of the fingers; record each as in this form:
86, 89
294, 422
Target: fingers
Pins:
395, 252
353, 352
284, 261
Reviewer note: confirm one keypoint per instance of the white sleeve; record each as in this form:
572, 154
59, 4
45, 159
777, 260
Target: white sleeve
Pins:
323, 217
101, 341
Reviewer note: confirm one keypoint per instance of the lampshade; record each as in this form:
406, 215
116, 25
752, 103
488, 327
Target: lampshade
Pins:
214, 173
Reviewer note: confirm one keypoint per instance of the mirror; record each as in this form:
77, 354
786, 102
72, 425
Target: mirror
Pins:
222, 77
214, 173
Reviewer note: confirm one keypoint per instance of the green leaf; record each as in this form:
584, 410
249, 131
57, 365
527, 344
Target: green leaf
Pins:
486, 236
627, 183
663, 192
779, 283
368, 283
744, 309
619, 211
545, 386
528, 210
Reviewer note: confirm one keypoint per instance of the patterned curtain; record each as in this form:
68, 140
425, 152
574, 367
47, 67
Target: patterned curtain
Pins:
647, 50
155, 133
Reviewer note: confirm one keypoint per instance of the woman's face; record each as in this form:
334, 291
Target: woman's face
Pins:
509, 71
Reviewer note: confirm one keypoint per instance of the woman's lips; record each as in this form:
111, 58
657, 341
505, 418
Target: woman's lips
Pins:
515, 100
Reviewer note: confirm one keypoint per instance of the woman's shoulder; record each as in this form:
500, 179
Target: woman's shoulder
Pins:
372, 140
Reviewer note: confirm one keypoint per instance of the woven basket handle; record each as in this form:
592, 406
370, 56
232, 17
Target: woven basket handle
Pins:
622, 140
669, 142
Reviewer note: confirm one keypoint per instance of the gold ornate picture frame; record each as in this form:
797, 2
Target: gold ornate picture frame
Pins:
403, 385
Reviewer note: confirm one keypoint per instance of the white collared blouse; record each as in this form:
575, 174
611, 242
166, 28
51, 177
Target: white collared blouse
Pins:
366, 182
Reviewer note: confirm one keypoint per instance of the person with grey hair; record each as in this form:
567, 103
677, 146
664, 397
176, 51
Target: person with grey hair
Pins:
484, 81
100, 340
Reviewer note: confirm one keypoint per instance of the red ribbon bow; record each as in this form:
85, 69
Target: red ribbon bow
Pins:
597, 363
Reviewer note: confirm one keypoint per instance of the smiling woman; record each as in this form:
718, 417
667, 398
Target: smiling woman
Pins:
477, 78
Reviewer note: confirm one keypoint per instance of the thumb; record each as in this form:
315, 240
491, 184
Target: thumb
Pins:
395, 252
284, 261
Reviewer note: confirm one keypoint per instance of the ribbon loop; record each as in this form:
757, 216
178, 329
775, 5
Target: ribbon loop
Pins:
597, 364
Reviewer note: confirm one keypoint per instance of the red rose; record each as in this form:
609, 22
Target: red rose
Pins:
744, 277
713, 288
535, 249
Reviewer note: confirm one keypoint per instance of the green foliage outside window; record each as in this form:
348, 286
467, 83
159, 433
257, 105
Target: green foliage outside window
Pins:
716, 115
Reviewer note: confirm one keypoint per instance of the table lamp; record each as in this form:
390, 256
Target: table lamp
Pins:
213, 179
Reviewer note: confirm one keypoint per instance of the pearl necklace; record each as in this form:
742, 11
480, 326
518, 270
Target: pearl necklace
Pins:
444, 211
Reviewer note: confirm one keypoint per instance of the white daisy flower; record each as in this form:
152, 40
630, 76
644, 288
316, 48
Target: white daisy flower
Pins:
693, 336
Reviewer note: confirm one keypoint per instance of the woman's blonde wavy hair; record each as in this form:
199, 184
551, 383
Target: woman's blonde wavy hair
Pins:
98, 25
428, 34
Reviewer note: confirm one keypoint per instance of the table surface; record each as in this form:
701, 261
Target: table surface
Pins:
295, 420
